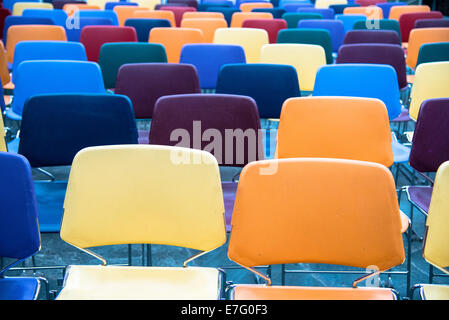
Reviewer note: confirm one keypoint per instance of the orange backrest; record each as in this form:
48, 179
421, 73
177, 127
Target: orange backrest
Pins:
174, 38
371, 12
156, 14
202, 14
396, 11
247, 7
239, 17
32, 32
207, 26
126, 12
4, 72
311, 210
420, 36
70, 8
335, 127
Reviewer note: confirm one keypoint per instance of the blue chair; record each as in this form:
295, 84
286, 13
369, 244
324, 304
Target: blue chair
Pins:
328, 14
20, 20
276, 12
335, 28
53, 76
144, 26
294, 6
203, 6
47, 50
74, 34
107, 14
349, 20
360, 80
209, 58
111, 5
339, 8
9, 4
56, 126
227, 12
386, 6
59, 17
19, 231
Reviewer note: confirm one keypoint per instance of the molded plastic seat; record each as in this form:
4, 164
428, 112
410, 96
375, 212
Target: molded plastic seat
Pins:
144, 26
239, 17
59, 17
371, 12
407, 21
226, 11
349, 20
157, 14
74, 34
379, 25
293, 18
418, 37
126, 12
397, 11
206, 25
16, 288
276, 12
435, 292
327, 14
335, 28
206, 15
18, 7
386, 7
372, 36
431, 23
178, 12
433, 52
271, 26
59, 4
111, 5
106, 14
249, 6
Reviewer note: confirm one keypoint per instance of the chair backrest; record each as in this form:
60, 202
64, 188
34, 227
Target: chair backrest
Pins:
72, 8
418, 37
360, 80
194, 120
249, 6
327, 14
126, 12
202, 14
436, 242
335, 28
177, 203
188, 3
293, 18
173, 39
59, 17
112, 5
158, 14
349, 20
386, 7
53, 76
397, 11
433, 52
4, 70
80, 121
74, 33
47, 50
20, 20
20, 6
432, 23
269, 84
276, 12
305, 58
239, 17
431, 81
93, 37
335, 127
114, 55
227, 12
376, 53
372, 36
271, 26
8, 4
144, 26
206, 25
366, 3
250, 39
371, 12
407, 21
317, 201
145, 83
59, 4
324, 4
378, 24
178, 12
19, 230
106, 14
209, 58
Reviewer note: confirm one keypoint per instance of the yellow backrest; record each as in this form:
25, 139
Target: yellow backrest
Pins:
324, 4
2, 135
431, 81
148, 3
437, 239
252, 40
18, 7
144, 194
305, 58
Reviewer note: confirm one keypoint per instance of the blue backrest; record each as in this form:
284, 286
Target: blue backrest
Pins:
335, 28
268, 84
349, 20
339, 8
294, 6
19, 231
74, 34
386, 7
326, 13
360, 80
47, 50
9, 4
52, 76
56, 126
19, 20
59, 17
144, 26
111, 5
107, 14
209, 58
276, 12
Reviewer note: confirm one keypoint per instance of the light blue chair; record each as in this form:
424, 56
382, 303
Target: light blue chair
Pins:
59, 17
349, 20
335, 28
107, 14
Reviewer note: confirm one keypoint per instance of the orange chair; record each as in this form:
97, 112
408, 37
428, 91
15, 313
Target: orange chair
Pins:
202, 14
249, 6
32, 32
126, 12
239, 17
157, 14
396, 11
331, 211
420, 36
173, 40
70, 8
207, 26
371, 12
4, 72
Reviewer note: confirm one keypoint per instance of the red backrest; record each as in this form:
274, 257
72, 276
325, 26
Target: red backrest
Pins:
407, 21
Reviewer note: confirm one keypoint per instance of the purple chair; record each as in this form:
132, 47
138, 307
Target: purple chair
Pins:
372, 36
144, 83
432, 23
216, 114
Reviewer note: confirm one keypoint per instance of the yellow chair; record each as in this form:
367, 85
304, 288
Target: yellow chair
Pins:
324, 4
431, 81
252, 40
437, 236
20, 6
304, 57
249, 6
147, 3
238, 17
131, 194
2, 135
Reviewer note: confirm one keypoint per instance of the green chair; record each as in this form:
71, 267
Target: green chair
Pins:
114, 55
381, 24
292, 18
433, 52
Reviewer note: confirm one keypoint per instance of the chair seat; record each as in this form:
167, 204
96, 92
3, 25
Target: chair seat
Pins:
140, 283
420, 196
19, 288
401, 153
144, 137
258, 292
435, 292
229, 192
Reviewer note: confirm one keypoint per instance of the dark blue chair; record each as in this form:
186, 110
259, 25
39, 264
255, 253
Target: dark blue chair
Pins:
339, 8
56, 126
386, 7
20, 20
335, 27
19, 231
74, 34
59, 17
328, 14
111, 5
144, 26
227, 12
276, 12
294, 6
209, 58
203, 6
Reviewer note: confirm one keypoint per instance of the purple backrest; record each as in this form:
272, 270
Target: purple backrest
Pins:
144, 83
228, 126
430, 146
376, 53
432, 23
372, 36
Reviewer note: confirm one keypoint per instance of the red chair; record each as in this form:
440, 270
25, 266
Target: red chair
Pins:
366, 3
178, 12
3, 14
271, 26
93, 37
407, 21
